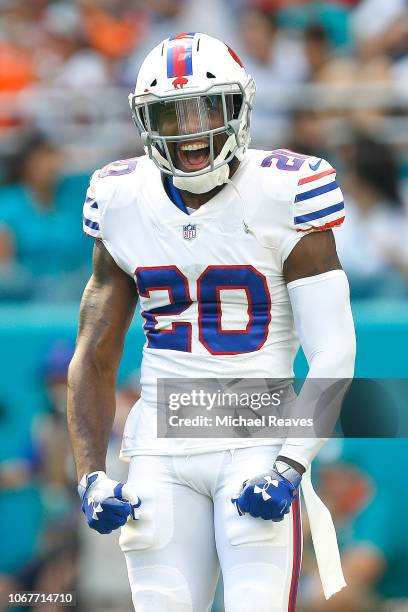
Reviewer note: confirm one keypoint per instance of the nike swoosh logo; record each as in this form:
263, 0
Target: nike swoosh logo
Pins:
316, 165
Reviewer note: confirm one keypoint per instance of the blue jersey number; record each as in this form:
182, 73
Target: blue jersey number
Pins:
285, 160
170, 279
212, 281
117, 168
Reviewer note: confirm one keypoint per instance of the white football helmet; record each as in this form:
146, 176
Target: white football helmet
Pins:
192, 87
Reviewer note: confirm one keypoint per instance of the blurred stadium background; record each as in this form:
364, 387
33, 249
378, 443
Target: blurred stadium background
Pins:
332, 81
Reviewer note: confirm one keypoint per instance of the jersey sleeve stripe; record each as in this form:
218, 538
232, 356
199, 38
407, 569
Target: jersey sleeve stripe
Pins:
328, 225
91, 203
312, 193
315, 177
91, 224
308, 206
318, 214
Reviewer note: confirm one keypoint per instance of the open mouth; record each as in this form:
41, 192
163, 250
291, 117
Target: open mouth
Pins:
193, 155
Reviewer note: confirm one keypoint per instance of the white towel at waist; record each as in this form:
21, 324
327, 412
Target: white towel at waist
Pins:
324, 539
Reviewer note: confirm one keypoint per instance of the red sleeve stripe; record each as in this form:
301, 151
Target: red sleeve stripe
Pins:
323, 227
308, 179
297, 555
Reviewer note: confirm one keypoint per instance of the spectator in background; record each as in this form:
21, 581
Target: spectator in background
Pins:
66, 58
362, 488
327, 66
39, 215
332, 16
163, 18
381, 33
381, 28
17, 70
21, 507
38, 498
372, 243
274, 59
269, 51
58, 467
308, 134
317, 48
54, 568
114, 30
335, 67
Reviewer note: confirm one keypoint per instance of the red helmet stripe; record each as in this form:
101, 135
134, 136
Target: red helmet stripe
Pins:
235, 56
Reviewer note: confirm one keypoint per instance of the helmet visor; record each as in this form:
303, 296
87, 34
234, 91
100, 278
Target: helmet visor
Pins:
188, 116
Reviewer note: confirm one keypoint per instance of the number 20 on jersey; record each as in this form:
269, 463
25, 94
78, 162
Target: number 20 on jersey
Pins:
210, 284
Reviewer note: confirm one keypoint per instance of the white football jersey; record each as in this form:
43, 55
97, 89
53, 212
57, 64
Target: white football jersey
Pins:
210, 284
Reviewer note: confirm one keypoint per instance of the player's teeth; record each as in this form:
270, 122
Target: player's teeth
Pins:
193, 147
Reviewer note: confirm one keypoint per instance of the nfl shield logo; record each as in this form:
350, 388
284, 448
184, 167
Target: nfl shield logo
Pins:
189, 231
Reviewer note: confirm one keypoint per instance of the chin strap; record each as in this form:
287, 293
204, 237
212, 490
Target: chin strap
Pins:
209, 179
203, 183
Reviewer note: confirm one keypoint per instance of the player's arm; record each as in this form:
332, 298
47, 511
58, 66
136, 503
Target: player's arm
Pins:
107, 308
322, 313
314, 254
319, 295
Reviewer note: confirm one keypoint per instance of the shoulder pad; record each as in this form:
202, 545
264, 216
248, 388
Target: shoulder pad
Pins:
309, 184
102, 188
319, 202
296, 194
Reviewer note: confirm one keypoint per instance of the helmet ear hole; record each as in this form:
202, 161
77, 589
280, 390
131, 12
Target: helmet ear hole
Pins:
210, 75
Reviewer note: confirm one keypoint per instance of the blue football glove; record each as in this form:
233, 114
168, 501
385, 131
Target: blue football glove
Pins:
107, 504
269, 496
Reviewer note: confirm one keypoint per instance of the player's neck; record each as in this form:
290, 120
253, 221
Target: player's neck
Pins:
195, 200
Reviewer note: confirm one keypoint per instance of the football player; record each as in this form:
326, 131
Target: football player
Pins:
231, 254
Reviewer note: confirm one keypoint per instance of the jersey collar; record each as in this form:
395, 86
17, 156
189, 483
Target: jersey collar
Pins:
175, 194
168, 211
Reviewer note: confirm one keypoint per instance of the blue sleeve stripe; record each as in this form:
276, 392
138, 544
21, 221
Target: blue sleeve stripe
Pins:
318, 214
312, 193
92, 224
91, 202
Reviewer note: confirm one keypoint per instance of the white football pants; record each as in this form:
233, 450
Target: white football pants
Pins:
188, 528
